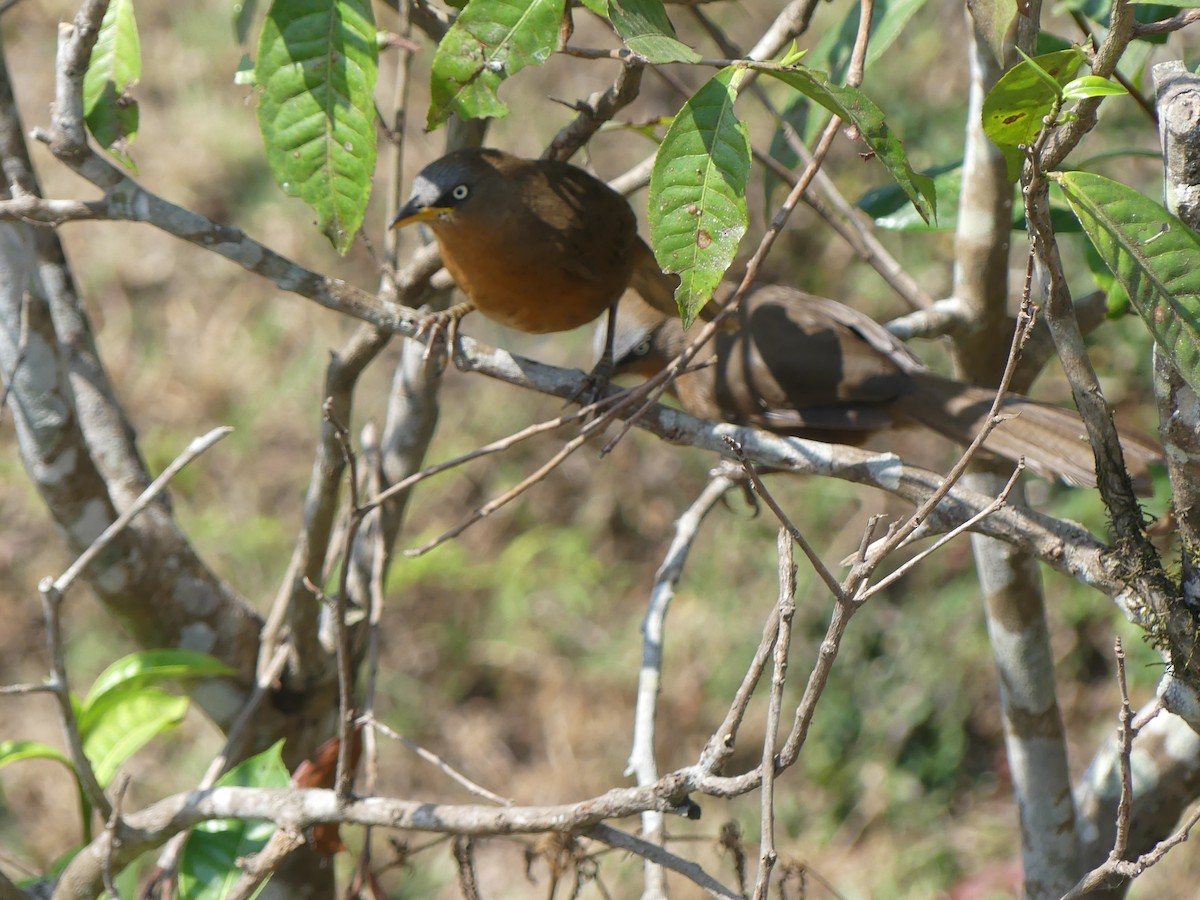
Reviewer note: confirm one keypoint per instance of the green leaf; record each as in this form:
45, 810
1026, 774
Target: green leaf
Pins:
599, 7
208, 869
1154, 256
1118, 298
137, 670
1091, 86
115, 66
697, 199
317, 64
889, 207
126, 725
491, 40
856, 108
996, 20
15, 751
644, 27
1014, 110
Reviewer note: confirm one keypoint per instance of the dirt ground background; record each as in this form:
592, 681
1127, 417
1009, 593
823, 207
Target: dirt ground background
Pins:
513, 651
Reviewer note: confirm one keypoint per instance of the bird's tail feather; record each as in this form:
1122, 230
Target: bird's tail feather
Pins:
1052, 440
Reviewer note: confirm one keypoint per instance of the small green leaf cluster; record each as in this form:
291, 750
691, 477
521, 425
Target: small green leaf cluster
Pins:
125, 710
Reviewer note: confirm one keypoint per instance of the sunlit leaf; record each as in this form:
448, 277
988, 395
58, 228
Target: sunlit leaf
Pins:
1154, 256
136, 671
317, 63
115, 66
697, 202
127, 725
490, 41
1015, 109
1091, 86
644, 27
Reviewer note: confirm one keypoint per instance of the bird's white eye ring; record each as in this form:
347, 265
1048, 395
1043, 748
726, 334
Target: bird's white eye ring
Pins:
643, 348
460, 192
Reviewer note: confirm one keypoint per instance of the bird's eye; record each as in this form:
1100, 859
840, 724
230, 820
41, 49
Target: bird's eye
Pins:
460, 192
642, 349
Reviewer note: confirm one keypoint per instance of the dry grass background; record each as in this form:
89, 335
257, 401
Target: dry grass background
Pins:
513, 652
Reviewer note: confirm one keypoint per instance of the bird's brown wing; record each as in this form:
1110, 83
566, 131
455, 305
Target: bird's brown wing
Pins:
592, 227
800, 363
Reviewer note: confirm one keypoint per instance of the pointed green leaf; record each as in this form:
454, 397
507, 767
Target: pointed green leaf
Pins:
1014, 109
208, 869
15, 751
698, 191
889, 207
857, 109
317, 64
599, 7
490, 41
115, 66
131, 673
1091, 86
1154, 256
646, 30
127, 725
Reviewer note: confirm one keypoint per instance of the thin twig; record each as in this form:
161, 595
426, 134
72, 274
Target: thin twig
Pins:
1180, 20
1125, 735
497, 446
786, 610
436, 761
995, 505
463, 850
761, 489
64, 581
345, 665
642, 761
614, 837
114, 842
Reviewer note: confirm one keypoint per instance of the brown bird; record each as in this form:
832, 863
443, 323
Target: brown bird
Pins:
535, 244
805, 366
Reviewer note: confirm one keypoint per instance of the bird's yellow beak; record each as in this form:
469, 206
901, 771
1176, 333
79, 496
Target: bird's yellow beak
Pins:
410, 213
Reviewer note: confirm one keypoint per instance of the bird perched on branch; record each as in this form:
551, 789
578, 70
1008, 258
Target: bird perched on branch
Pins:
535, 244
809, 367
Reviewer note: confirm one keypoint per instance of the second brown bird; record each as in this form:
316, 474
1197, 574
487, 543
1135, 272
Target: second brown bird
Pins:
810, 367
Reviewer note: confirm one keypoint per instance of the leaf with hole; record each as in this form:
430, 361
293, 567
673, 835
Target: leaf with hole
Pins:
317, 64
491, 40
1014, 111
1154, 256
697, 201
